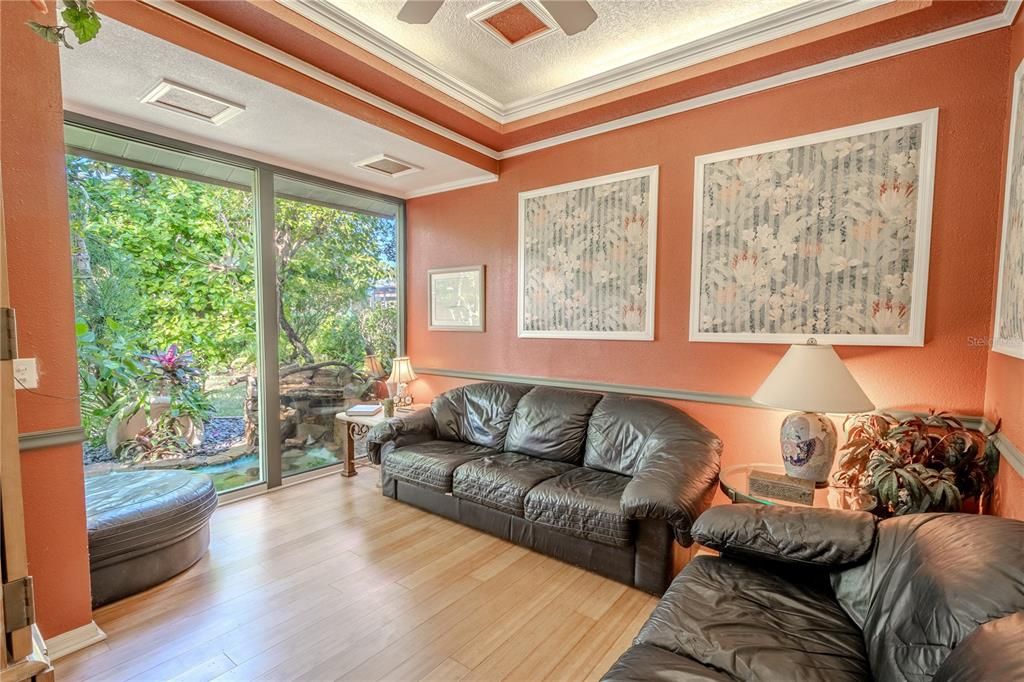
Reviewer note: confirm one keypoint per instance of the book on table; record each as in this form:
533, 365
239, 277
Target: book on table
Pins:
363, 410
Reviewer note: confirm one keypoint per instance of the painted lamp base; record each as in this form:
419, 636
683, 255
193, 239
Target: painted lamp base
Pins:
808, 446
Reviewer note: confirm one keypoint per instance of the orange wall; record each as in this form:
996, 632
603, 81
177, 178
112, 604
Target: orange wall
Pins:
1004, 394
965, 79
36, 221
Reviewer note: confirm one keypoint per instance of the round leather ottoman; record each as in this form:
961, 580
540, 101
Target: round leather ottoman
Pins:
145, 527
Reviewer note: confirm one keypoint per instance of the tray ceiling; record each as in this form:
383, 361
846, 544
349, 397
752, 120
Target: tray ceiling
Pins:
630, 41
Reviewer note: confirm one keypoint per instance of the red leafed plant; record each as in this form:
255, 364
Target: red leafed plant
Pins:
917, 464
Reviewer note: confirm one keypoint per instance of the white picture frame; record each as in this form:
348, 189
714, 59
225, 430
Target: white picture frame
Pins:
1010, 283
456, 299
642, 303
922, 216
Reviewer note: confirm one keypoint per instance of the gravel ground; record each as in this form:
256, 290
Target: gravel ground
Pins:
219, 434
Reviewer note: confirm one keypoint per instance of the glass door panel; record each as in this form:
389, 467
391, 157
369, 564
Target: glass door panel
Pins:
337, 284
165, 298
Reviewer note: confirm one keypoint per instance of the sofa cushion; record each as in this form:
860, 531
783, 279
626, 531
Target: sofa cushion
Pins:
477, 413
551, 423
758, 622
502, 481
582, 502
932, 579
431, 464
646, 663
623, 430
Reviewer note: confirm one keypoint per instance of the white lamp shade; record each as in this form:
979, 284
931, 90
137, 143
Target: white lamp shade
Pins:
372, 366
812, 378
401, 371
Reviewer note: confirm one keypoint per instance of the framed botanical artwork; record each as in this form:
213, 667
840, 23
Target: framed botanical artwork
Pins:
822, 236
456, 299
1008, 335
587, 258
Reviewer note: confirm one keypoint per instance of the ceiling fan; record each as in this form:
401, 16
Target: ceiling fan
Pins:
572, 16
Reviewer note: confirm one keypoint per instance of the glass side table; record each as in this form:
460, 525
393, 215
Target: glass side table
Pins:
734, 482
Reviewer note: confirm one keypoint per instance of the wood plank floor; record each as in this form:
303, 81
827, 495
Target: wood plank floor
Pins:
329, 580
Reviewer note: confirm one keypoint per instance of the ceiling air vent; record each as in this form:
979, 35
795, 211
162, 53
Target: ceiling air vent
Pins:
382, 164
190, 102
513, 22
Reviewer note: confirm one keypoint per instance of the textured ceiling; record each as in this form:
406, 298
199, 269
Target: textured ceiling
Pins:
106, 78
625, 31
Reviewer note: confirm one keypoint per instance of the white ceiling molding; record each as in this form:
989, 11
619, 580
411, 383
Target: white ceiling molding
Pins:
994, 22
235, 36
779, 24
449, 186
965, 30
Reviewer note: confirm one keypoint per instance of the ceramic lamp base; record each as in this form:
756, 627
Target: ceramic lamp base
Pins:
808, 446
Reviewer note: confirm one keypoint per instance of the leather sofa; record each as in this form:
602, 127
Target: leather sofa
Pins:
816, 594
605, 482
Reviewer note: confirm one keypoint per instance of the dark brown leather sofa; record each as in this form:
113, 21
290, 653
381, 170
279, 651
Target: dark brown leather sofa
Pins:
605, 482
804, 594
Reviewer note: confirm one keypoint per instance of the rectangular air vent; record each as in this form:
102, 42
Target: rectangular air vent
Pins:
190, 102
383, 164
513, 22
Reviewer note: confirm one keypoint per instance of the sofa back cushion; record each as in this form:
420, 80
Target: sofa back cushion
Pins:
931, 581
623, 430
477, 413
551, 423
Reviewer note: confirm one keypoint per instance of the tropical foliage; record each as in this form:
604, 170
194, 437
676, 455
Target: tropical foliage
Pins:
165, 286
917, 464
79, 16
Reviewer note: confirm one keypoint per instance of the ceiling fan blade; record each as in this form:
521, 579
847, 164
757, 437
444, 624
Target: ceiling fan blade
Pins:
419, 11
573, 16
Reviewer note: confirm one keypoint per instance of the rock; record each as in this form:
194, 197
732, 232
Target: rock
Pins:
306, 431
213, 460
293, 454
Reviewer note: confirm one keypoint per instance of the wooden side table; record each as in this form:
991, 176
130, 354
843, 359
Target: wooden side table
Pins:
349, 430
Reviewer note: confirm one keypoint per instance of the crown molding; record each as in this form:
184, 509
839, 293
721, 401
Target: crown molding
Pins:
235, 36
351, 29
777, 25
990, 23
965, 30
449, 186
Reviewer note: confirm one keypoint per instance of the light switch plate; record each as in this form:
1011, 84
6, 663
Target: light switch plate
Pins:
26, 373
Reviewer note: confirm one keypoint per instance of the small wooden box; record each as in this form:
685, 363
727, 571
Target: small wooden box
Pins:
781, 487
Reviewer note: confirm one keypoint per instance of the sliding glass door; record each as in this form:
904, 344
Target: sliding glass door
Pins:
336, 293
225, 308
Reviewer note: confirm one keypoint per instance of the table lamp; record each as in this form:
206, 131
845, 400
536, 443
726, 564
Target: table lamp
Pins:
374, 371
401, 375
812, 380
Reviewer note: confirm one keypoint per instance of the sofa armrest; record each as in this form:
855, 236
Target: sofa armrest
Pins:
800, 535
400, 431
675, 483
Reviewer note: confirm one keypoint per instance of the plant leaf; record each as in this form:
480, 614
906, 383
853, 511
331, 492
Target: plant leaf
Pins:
82, 20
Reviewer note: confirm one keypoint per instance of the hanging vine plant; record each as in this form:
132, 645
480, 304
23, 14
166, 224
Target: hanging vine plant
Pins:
79, 16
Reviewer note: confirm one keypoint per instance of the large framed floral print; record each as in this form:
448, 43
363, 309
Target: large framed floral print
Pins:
586, 258
1008, 336
822, 236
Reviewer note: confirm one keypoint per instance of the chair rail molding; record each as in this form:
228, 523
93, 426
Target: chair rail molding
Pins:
51, 438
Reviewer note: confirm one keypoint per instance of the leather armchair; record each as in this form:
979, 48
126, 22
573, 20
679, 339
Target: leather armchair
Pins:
815, 594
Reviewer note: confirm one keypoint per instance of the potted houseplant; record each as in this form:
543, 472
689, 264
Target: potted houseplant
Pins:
918, 464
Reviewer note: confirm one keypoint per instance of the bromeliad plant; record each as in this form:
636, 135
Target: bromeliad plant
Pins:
918, 464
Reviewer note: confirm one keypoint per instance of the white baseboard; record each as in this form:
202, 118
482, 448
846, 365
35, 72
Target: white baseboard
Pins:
74, 640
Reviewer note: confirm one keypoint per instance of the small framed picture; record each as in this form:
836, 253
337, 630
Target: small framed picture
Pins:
456, 299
